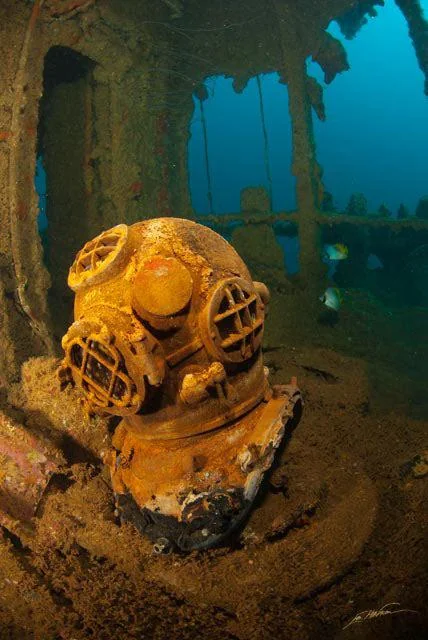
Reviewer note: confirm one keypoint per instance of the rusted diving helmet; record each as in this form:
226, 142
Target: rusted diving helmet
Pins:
167, 334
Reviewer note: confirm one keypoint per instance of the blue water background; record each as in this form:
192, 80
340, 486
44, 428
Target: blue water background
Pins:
374, 140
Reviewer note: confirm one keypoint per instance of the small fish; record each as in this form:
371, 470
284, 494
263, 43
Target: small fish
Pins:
337, 251
332, 298
373, 262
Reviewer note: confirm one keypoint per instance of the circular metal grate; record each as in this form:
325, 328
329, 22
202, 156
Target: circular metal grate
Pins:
234, 321
100, 370
97, 255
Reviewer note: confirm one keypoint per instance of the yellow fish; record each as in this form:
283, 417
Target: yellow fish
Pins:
337, 251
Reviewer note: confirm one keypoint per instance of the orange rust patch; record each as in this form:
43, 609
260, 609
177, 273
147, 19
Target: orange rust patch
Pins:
163, 286
136, 187
21, 210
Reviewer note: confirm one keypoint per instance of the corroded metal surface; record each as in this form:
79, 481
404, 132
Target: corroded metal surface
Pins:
193, 491
27, 464
158, 305
167, 334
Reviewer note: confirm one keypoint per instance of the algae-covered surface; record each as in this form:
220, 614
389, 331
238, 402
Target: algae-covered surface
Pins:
339, 528
336, 544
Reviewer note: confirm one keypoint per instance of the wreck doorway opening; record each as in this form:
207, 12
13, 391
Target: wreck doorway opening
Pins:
40, 185
64, 134
240, 136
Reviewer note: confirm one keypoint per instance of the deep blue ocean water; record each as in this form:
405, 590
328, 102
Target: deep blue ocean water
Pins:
374, 140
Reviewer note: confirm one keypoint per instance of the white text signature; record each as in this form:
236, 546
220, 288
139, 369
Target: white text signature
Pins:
387, 610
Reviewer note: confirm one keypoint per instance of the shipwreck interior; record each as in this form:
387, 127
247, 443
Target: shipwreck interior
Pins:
105, 119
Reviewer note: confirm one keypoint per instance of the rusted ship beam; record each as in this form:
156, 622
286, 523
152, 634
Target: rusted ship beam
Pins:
270, 217
27, 465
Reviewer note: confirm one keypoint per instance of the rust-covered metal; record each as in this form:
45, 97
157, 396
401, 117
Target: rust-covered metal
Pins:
197, 489
157, 302
27, 464
167, 334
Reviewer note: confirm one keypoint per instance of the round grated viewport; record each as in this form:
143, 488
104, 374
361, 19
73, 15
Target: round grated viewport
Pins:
234, 321
96, 255
99, 368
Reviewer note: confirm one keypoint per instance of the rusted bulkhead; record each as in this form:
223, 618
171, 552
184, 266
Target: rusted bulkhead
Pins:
27, 465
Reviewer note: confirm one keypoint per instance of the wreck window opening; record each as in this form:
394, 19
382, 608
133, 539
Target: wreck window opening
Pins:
64, 133
287, 236
372, 145
238, 140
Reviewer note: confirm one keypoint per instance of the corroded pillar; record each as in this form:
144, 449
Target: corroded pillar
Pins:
307, 173
304, 166
24, 324
179, 167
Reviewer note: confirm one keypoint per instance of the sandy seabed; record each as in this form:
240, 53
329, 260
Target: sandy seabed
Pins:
339, 528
